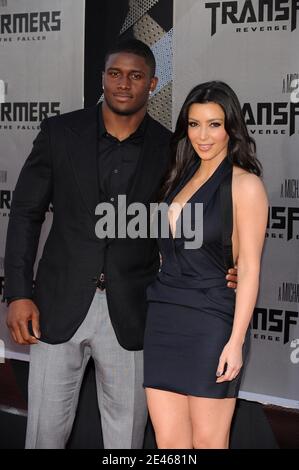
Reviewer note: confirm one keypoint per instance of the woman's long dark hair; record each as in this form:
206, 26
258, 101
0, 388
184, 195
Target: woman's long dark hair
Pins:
241, 147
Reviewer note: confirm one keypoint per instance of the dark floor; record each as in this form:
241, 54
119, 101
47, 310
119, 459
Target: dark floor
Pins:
255, 426
285, 425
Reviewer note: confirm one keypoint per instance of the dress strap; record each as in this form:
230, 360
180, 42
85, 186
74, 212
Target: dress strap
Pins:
226, 202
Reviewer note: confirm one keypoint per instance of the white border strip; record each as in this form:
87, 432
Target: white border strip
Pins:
269, 400
16, 355
13, 411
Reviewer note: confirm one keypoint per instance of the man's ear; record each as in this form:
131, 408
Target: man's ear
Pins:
153, 85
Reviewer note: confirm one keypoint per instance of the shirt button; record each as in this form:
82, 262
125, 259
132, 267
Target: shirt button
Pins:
112, 199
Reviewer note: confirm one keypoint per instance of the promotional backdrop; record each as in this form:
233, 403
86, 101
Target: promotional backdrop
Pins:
41, 74
253, 46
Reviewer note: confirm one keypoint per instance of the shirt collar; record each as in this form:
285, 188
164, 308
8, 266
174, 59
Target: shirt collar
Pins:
139, 133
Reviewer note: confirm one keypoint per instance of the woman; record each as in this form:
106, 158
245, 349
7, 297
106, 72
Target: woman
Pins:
197, 331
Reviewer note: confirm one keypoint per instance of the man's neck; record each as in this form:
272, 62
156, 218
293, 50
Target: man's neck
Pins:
120, 126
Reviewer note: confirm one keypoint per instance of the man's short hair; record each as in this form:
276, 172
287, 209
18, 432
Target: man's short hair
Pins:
134, 46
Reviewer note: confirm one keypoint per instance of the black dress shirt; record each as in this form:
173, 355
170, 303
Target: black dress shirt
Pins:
117, 160
117, 164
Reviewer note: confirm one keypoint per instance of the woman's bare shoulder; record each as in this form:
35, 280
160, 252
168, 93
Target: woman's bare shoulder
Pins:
247, 184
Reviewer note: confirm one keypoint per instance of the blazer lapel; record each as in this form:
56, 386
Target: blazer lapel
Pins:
82, 140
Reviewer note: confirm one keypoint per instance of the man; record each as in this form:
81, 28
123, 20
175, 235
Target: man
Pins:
89, 294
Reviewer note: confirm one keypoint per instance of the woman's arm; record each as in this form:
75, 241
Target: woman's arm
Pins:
251, 212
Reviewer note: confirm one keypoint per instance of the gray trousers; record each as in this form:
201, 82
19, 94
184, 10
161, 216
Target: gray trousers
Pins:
55, 377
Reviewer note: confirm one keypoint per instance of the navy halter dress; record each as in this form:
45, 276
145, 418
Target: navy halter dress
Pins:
190, 308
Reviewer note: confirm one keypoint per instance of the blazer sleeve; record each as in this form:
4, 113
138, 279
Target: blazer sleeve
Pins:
31, 199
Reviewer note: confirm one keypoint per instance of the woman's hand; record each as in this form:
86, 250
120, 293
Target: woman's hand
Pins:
232, 278
230, 362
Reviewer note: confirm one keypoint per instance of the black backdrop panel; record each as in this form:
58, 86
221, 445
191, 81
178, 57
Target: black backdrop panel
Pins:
103, 22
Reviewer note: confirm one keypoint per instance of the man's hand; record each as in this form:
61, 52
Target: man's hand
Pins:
20, 312
232, 277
